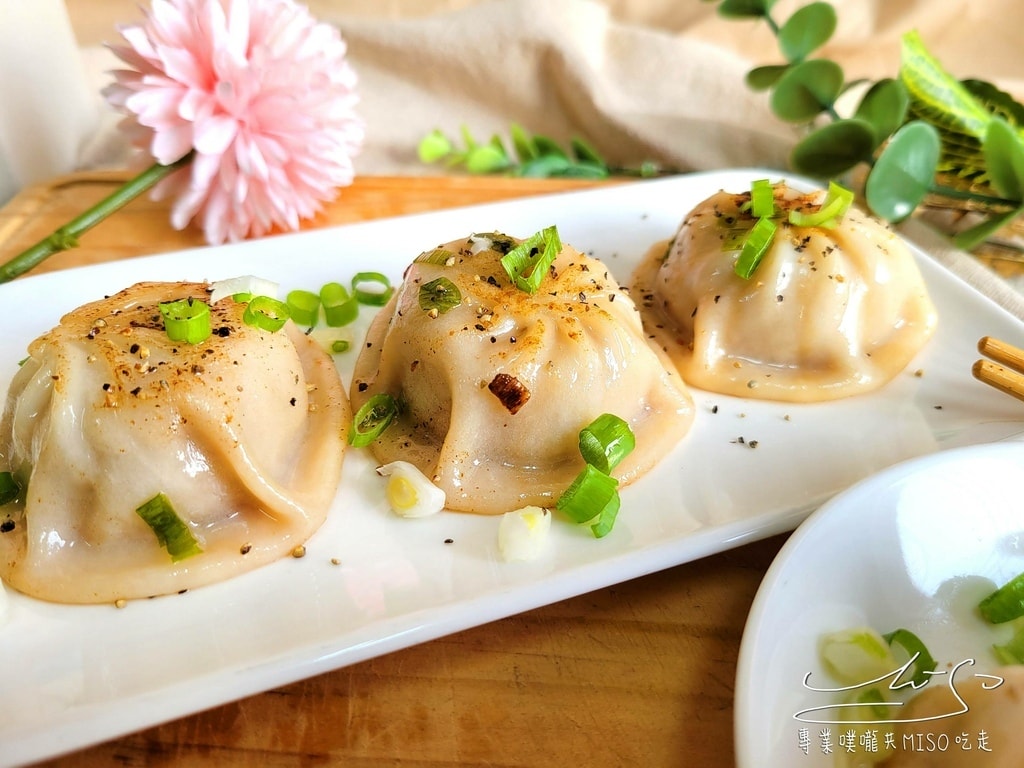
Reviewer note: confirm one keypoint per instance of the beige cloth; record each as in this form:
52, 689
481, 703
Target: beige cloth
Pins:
641, 80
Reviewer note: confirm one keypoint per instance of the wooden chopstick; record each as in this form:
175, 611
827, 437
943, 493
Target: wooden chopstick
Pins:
1005, 368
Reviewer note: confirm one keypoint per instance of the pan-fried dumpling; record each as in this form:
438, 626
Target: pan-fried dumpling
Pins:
829, 312
243, 435
494, 383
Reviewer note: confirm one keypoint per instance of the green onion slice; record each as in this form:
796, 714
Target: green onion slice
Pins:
606, 517
440, 294
241, 298
186, 320
528, 263
1006, 603
377, 294
916, 649
372, 419
857, 655
762, 199
588, 495
340, 345
439, 257
754, 249
1012, 651
606, 441
875, 702
340, 308
835, 205
9, 488
171, 531
266, 313
303, 307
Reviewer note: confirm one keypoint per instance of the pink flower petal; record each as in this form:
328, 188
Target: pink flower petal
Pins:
215, 134
262, 93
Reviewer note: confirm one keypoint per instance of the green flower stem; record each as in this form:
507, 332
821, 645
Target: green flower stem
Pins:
66, 237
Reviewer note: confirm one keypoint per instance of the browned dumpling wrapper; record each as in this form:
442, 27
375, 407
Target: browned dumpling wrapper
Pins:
494, 390
828, 313
243, 433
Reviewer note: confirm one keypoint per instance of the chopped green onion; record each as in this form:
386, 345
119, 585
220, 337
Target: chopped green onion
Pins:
856, 656
588, 495
439, 257
378, 295
9, 488
171, 531
606, 518
266, 313
340, 308
756, 246
1006, 603
1011, 652
242, 288
837, 201
440, 295
340, 345
186, 320
873, 699
528, 263
762, 199
606, 441
916, 649
303, 307
372, 419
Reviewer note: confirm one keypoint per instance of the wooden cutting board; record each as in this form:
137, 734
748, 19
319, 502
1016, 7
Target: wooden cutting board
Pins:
638, 674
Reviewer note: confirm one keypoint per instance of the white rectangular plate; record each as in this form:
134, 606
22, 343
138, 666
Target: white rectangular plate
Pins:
77, 675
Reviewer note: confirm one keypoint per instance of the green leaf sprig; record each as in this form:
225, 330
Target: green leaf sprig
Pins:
533, 156
923, 133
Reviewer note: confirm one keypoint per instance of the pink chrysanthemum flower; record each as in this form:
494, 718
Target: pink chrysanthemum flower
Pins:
262, 94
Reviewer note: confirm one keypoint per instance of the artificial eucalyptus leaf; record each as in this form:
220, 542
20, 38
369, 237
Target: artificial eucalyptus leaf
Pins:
763, 78
467, 136
583, 169
745, 8
903, 172
806, 89
544, 166
807, 30
884, 108
648, 169
546, 146
433, 147
582, 151
833, 148
523, 144
1004, 159
971, 238
499, 145
486, 158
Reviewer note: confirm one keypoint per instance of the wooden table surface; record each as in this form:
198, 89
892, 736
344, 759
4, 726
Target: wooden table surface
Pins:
638, 674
